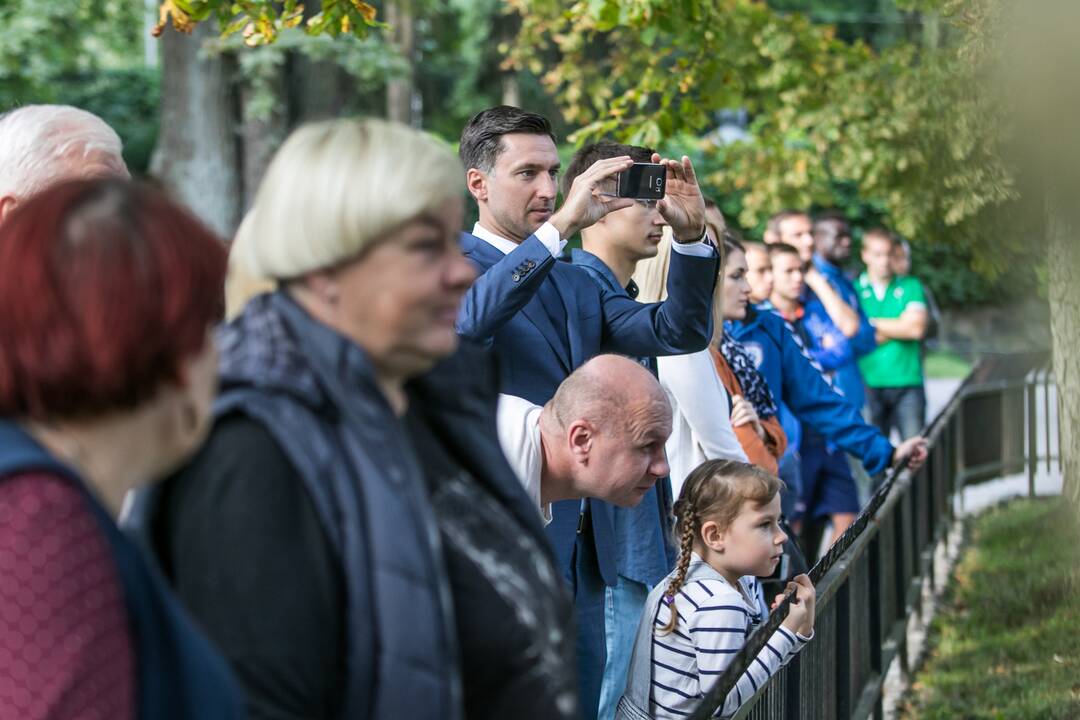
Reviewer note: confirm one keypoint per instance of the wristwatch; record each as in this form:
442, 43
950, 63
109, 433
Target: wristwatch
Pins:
704, 234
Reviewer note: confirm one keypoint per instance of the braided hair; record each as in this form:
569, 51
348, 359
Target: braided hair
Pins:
716, 491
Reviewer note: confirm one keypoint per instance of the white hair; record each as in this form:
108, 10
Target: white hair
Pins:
44, 144
336, 187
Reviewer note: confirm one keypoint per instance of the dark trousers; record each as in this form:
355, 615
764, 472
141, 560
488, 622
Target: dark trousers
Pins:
902, 408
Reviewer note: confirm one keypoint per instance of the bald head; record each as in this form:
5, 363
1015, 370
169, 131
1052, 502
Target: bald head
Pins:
609, 390
604, 432
41, 145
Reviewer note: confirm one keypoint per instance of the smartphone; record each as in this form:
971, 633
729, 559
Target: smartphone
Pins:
643, 181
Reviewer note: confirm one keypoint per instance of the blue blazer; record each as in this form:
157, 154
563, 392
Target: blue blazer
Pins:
505, 309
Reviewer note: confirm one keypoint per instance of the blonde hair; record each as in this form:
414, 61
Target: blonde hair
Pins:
334, 189
241, 283
651, 275
715, 491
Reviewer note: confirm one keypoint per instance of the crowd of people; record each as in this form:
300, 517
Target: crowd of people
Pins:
366, 465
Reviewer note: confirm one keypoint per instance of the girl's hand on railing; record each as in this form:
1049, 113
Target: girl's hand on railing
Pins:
800, 617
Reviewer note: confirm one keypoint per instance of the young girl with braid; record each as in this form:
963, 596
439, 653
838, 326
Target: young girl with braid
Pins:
698, 618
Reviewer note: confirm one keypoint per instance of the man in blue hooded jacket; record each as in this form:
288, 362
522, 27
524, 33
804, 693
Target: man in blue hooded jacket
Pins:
798, 382
824, 245
827, 489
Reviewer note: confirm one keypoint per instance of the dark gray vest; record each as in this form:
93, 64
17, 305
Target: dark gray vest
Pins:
360, 471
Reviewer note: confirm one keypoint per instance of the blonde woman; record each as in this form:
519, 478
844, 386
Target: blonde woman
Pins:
351, 535
701, 411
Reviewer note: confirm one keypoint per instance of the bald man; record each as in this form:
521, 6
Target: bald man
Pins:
602, 435
41, 145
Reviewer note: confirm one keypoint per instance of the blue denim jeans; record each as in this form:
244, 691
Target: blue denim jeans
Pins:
589, 597
623, 605
899, 408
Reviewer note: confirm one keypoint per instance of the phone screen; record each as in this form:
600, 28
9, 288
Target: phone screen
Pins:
643, 181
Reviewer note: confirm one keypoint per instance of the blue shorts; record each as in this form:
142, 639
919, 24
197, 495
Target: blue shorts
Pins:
827, 484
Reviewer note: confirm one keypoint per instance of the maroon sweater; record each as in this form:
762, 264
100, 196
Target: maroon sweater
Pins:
66, 649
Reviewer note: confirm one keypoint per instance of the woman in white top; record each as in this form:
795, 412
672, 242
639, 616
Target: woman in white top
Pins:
701, 408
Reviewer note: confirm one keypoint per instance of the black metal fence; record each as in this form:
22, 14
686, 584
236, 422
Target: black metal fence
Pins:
870, 582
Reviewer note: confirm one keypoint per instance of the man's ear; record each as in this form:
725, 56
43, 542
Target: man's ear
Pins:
712, 537
7, 204
580, 436
476, 182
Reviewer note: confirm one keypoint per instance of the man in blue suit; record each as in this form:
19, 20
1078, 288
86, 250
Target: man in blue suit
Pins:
544, 318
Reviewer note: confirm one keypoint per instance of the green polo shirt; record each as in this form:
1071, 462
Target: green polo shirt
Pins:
895, 363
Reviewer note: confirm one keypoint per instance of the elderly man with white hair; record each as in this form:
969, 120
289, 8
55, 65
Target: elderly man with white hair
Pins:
41, 145
602, 435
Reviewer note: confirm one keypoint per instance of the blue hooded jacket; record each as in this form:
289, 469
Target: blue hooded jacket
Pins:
797, 381
847, 377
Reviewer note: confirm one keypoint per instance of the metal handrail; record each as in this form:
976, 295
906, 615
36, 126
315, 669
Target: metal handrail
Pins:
924, 501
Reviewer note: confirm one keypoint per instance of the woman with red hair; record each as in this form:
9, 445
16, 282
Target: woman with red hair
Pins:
107, 376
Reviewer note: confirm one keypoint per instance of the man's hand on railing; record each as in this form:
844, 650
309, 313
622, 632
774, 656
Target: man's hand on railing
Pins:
912, 453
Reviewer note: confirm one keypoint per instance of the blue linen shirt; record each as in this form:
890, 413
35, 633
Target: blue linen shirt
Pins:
643, 552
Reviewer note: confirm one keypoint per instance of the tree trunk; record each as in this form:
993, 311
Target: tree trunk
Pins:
1064, 266
317, 89
511, 91
400, 90
196, 155
261, 136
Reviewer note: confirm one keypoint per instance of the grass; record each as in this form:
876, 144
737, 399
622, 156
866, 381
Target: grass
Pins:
1006, 643
942, 364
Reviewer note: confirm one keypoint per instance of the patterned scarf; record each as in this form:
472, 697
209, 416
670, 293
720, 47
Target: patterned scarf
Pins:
753, 384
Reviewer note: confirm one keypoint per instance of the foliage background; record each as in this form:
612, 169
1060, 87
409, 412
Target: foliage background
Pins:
831, 91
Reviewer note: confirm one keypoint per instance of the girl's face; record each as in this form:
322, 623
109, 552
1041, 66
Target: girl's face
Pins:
752, 544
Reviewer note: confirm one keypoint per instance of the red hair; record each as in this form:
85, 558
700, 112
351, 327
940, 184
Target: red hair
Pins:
106, 287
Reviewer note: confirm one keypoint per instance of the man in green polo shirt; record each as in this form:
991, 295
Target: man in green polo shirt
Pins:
893, 372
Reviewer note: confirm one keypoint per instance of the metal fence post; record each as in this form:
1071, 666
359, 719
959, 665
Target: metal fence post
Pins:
1033, 436
1046, 404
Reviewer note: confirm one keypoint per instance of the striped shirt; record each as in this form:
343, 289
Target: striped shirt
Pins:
714, 622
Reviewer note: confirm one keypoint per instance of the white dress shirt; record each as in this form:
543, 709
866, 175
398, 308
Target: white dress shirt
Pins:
518, 422
548, 234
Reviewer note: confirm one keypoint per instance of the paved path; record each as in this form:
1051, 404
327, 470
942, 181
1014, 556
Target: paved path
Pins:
978, 497
938, 394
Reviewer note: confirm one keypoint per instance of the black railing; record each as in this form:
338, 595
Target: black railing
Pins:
870, 581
